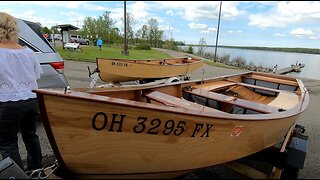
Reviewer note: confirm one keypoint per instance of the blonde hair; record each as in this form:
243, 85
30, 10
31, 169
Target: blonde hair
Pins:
8, 28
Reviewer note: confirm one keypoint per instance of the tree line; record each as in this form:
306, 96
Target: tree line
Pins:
104, 27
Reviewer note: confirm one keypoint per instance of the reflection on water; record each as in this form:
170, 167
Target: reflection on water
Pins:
271, 58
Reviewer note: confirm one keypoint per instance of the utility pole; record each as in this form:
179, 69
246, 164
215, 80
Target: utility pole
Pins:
215, 51
170, 32
125, 52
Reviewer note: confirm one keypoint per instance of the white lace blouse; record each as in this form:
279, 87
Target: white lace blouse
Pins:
19, 71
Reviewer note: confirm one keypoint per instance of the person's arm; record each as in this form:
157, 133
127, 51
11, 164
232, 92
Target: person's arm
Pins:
37, 67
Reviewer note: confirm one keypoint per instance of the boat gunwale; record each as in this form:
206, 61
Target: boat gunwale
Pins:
299, 108
197, 61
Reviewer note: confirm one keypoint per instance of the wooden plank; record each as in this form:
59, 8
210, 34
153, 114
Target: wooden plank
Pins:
213, 85
284, 70
245, 170
177, 102
255, 87
276, 172
271, 79
237, 101
285, 100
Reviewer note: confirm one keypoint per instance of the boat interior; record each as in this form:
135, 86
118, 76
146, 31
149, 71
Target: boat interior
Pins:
249, 93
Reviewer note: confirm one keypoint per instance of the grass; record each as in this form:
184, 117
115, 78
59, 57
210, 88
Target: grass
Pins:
90, 53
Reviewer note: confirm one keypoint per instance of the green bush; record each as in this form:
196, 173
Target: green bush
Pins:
143, 46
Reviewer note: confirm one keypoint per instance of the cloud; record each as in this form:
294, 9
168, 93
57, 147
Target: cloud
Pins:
203, 28
29, 12
170, 12
205, 31
301, 32
314, 37
286, 13
66, 4
278, 34
197, 26
200, 10
212, 29
270, 21
234, 32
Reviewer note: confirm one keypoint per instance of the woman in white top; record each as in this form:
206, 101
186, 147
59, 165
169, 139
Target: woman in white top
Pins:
19, 71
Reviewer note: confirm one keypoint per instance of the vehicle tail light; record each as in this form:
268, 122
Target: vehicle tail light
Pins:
58, 66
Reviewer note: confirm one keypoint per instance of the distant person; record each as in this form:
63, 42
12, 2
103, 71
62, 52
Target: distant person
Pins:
275, 68
99, 43
19, 111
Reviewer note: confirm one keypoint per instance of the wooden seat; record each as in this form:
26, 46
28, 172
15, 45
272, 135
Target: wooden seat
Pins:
216, 85
177, 102
234, 101
272, 79
285, 100
255, 87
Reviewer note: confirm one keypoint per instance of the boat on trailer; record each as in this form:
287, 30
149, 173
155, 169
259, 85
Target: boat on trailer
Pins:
121, 70
169, 130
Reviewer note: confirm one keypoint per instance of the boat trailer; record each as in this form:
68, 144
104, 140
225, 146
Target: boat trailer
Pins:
94, 76
280, 161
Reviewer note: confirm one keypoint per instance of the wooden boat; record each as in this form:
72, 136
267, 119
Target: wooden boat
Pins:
165, 131
120, 70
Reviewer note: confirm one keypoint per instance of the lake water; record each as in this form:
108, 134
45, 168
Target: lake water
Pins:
271, 58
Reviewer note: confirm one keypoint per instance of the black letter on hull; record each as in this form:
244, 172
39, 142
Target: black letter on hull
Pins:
105, 121
114, 121
209, 126
197, 129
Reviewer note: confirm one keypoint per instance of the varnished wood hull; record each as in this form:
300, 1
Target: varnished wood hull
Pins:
106, 137
117, 70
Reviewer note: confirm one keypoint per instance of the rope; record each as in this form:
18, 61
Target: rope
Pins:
40, 173
188, 69
203, 71
305, 89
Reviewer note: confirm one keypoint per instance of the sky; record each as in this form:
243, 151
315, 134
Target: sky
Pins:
243, 23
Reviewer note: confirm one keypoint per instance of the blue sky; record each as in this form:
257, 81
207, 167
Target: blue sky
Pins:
243, 23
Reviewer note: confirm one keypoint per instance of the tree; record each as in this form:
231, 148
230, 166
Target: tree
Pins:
130, 22
89, 28
155, 35
190, 50
142, 34
55, 30
202, 43
46, 30
102, 27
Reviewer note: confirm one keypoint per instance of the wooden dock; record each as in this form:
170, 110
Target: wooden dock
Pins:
293, 67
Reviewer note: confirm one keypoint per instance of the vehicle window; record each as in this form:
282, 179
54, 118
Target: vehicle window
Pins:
22, 43
36, 28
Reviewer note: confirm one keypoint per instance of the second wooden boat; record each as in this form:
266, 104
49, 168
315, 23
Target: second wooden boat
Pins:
120, 70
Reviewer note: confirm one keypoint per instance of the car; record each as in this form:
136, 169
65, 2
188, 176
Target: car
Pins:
51, 62
79, 39
57, 37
